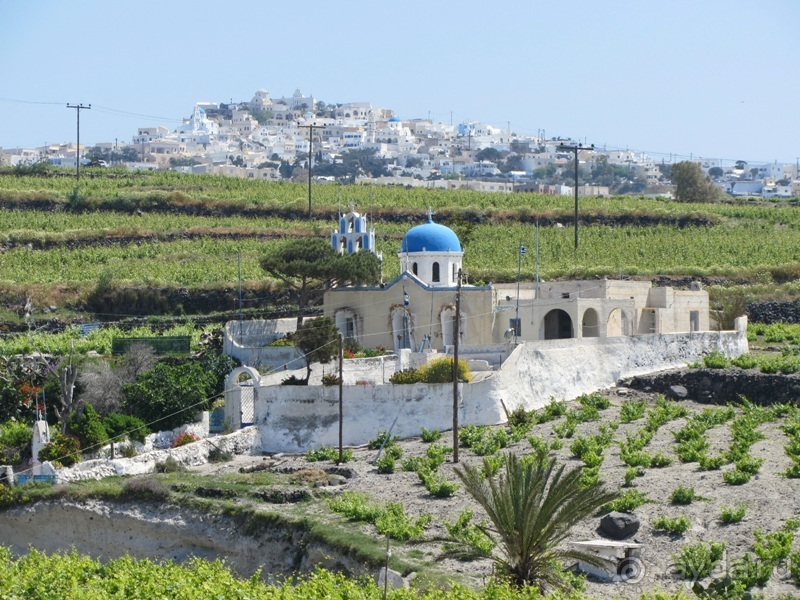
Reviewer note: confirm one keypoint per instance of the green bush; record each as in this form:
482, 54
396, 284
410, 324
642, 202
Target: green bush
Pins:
471, 541
745, 361
632, 410
709, 463
331, 379
774, 546
521, 418
406, 376
552, 411
385, 464
383, 440
89, 429
119, 426
389, 520
64, 450
736, 477
628, 501
715, 360
751, 572
329, 453
440, 370
660, 460
436, 484
170, 396
15, 442
730, 515
696, 561
595, 401
429, 436
676, 526
683, 495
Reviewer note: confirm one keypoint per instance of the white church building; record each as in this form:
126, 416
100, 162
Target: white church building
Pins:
417, 309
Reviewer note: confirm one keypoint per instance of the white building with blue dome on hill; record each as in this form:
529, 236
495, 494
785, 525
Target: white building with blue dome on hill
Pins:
417, 309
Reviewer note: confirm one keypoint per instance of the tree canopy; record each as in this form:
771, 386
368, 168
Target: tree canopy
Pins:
307, 265
317, 339
691, 185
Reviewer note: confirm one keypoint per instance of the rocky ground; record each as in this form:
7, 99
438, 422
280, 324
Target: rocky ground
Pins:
770, 498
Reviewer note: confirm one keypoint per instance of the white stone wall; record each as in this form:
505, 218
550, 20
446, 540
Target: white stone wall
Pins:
299, 418
244, 441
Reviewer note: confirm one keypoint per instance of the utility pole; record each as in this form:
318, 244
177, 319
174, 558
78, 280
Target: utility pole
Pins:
576, 148
310, 157
341, 379
521, 252
455, 369
78, 108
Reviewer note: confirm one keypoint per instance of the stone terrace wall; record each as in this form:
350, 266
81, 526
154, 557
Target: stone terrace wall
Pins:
722, 385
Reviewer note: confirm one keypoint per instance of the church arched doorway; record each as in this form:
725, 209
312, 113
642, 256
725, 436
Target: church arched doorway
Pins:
402, 329
557, 325
590, 326
616, 323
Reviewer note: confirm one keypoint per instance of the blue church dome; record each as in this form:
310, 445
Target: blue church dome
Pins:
430, 237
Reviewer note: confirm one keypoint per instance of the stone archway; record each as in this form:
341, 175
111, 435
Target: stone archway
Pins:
240, 396
557, 325
590, 324
402, 329
616, 325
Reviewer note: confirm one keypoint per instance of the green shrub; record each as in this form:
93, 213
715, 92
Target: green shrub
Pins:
329, 453
436, 484
730, 515
676, 526
628, 501
184, 439
435, 455
471, 541
89, 429
709, 463
119, 426
749, 464
683, 495
63, 450
12, 496
552, 411
632, 410
745, 361
696, 561
715, 360
15, 442
595, 401
490, 443
385, 464
631, 473
440, 370
382, 440
773, 547
429, 436
660, 460
331, 379
751, 572
170, 465
736, 477
521, 418
406, 376
389, 520
129, 450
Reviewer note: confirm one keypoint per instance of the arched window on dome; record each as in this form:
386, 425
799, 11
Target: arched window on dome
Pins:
414, 268
435, 276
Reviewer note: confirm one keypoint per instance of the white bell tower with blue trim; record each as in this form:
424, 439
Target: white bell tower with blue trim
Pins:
353, 235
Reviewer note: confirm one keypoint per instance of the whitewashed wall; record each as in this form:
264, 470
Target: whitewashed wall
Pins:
299, 418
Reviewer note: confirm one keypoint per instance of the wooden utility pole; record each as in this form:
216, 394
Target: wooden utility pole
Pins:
310, 158
576, 148
455, 369
78, 108
341, 379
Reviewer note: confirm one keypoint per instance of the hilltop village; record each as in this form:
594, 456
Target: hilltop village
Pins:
272, 139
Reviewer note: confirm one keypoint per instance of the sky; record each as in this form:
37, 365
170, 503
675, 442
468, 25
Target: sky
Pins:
674, 79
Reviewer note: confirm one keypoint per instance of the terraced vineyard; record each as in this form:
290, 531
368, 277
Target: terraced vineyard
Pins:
169, 230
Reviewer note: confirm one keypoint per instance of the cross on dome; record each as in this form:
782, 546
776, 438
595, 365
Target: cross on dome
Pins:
430, 215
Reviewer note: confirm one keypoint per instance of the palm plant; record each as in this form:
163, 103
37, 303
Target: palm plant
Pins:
533, 504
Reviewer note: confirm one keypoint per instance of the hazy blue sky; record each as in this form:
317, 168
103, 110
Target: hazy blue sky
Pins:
703, 77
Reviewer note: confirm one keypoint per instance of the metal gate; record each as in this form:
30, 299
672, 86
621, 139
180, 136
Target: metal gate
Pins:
247, 396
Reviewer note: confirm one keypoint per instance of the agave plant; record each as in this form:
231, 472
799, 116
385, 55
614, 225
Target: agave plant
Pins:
533, 504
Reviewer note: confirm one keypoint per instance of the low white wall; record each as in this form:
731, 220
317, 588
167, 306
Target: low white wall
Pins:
535, 372
247, 341
244, 441
299, 418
